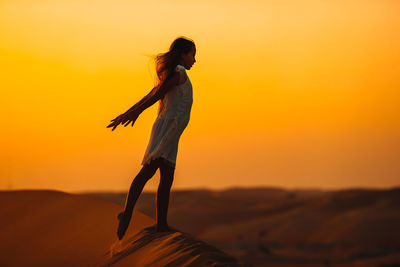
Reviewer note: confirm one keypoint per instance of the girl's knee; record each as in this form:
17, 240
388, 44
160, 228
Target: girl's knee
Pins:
167, 163
167, 179
167, 175
147, 171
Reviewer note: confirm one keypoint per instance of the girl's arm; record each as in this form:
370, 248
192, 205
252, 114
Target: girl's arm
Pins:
141, 101
155, 94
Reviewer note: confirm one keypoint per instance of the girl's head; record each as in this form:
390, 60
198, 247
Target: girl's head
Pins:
182, 51
188, 49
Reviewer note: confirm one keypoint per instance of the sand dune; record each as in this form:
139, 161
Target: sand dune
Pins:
278, 227
53, 228
167, 249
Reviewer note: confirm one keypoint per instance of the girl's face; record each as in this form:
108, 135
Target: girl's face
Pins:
188, 59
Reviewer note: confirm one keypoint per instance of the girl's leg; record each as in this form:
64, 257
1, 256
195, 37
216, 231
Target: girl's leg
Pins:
135, 190
163, 192
138, 184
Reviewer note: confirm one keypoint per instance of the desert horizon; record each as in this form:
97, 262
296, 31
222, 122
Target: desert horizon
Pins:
236, 227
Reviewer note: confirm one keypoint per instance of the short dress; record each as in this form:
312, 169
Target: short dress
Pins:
170, 122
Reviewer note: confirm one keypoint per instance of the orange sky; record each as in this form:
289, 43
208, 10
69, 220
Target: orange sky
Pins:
286, 93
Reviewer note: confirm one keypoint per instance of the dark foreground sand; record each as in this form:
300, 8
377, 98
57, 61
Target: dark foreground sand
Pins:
53, 228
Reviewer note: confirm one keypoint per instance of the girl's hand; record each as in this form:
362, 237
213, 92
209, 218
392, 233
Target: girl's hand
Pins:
116, 121
126, 117
129, 117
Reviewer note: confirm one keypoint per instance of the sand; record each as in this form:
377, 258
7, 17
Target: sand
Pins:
54, 228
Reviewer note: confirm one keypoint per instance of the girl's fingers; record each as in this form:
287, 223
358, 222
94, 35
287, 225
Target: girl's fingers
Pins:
111, 124
114, 127
121, 119
115, 124
125, 120
118, 117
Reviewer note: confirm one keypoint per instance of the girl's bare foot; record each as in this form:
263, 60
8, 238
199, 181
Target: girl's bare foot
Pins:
162, 228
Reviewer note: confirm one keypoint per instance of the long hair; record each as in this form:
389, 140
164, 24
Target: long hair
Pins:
166, 63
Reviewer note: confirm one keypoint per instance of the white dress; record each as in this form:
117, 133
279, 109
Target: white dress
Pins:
170, 123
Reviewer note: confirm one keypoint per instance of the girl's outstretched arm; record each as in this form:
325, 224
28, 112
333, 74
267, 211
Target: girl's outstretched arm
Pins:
155, 94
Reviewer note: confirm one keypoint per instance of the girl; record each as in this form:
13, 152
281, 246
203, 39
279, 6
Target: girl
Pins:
174, 90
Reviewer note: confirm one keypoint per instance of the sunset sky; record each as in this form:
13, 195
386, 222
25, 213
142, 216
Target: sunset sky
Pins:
297, 94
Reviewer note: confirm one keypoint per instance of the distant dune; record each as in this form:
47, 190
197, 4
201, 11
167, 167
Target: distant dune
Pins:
278, 227
53, 228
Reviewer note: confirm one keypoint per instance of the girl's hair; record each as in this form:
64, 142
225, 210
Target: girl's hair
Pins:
166, 62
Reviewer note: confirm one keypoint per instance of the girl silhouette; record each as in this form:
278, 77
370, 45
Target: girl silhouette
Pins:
174, 90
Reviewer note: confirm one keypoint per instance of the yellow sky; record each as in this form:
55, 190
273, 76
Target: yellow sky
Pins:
286, 93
